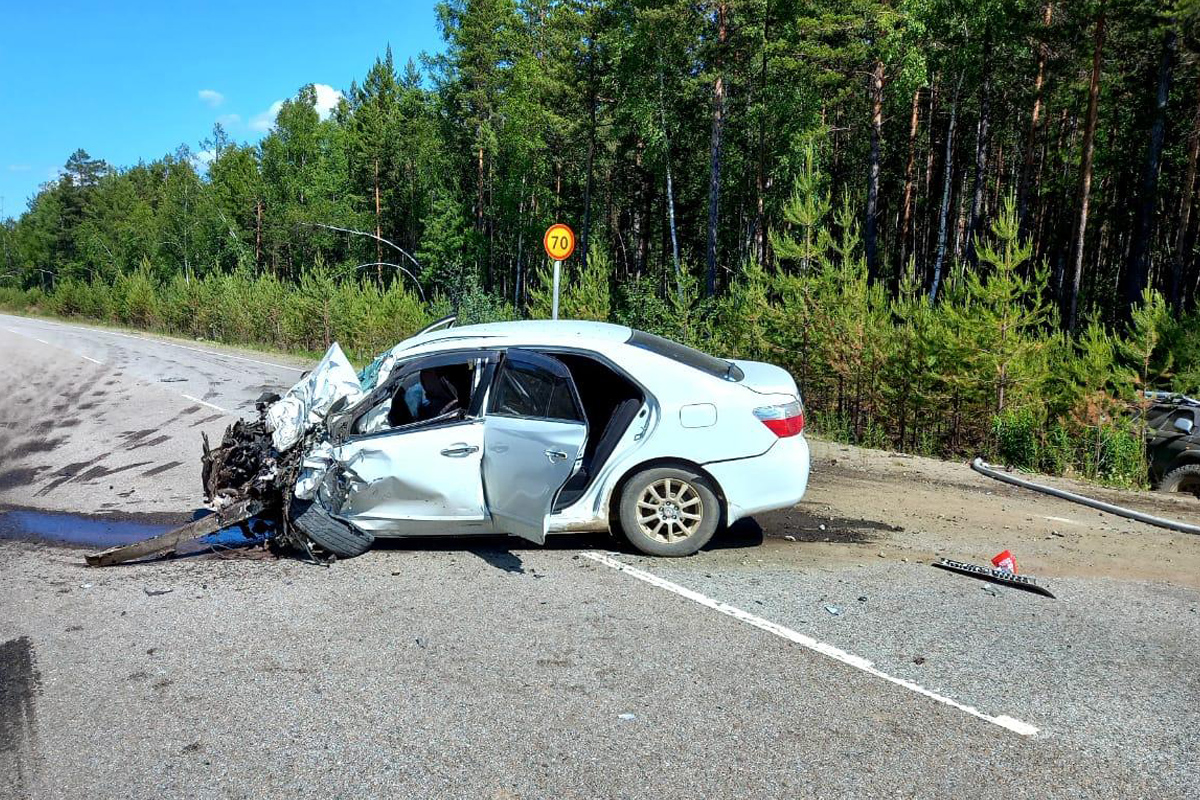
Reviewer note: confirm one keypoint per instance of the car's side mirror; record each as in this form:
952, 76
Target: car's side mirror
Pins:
1183, 425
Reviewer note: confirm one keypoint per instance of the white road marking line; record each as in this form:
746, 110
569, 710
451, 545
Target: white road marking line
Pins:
173, 344
206, 403
1004, 721
43, 341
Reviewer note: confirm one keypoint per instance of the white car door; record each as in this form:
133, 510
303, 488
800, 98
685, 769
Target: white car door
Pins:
533, 434
422, 481
411, 461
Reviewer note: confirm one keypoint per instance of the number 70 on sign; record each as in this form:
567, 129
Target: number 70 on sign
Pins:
559, 241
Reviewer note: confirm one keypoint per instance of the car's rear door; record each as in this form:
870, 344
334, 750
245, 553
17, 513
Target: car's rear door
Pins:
534, 433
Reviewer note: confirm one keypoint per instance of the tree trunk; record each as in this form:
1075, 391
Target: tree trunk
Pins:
378, 231
1031, 141
923, 232
714, 169
1085, 190
944, 213
591, 153
870, 231
1184, 235
909, 173
258, 234
1137, 274
760, 178
981, 147
670, 187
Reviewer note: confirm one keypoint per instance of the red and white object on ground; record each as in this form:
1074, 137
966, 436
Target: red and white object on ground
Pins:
1005, 561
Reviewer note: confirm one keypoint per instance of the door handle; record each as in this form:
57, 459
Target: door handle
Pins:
460, 450
556, 455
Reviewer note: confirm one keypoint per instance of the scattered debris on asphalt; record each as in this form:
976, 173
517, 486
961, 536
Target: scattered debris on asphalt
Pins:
1001, 576
157, 592
834, 610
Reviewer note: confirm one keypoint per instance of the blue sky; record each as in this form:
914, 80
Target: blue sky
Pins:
134, 80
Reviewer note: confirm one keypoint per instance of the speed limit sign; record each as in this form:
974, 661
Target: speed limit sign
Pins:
559, 241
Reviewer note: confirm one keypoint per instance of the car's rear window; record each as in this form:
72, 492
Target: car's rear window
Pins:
717, 367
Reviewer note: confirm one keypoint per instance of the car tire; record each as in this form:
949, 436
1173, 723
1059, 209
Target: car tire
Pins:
1182, 479
666, 511
339, 538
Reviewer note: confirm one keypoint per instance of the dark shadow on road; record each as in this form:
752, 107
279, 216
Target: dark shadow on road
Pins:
805, 525
500, 558
743, 533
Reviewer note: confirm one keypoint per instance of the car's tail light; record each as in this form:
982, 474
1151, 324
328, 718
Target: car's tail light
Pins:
783, 420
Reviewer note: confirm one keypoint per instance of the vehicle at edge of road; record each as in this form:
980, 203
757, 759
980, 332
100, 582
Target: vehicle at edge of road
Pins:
1173, 442
540, 427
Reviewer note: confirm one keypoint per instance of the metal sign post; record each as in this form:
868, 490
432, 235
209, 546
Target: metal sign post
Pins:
557, 275
559, 243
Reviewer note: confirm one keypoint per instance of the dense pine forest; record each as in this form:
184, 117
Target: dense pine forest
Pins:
963, 224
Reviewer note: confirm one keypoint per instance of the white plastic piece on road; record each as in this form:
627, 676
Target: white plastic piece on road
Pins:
1008, 723
307, 403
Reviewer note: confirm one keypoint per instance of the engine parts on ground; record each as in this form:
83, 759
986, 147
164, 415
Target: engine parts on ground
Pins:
983, 468
1001, 576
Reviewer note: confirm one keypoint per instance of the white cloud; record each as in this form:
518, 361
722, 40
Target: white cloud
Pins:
212, 97
263, 122
202, 159
19, 168
229, 120
326, 101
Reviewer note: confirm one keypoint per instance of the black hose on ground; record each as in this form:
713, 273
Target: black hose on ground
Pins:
983, 468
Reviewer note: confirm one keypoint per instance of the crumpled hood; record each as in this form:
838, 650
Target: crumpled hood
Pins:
306, 404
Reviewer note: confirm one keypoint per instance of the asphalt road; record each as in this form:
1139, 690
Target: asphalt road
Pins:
453, 668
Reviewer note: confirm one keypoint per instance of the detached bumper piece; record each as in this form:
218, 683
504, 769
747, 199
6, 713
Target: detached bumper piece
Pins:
172, 539
1000, 576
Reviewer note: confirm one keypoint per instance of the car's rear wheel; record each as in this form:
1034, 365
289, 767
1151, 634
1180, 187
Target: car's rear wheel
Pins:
666, 511
1182, 479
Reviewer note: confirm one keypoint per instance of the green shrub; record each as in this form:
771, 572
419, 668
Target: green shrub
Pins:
1016, 433
1056, 453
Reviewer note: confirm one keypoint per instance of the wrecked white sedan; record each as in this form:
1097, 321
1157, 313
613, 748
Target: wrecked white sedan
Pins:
523, 428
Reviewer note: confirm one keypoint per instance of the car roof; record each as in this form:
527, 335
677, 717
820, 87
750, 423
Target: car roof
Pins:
539, 331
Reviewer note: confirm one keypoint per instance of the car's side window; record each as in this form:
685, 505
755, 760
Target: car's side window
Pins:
528, 390
423, 395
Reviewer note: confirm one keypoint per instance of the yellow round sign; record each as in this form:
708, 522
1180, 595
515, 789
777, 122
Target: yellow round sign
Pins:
559, 241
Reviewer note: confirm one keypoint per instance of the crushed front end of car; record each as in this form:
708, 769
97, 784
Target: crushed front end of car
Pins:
278, 468
285, 461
